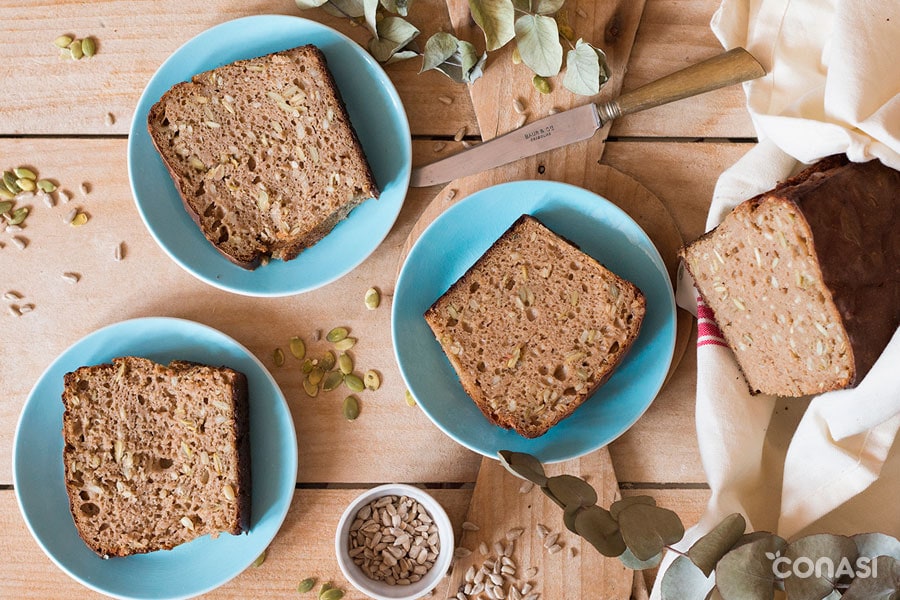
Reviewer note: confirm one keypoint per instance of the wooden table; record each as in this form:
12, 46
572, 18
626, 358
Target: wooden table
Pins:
54, 116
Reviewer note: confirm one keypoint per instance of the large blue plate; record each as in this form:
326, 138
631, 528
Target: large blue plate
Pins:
191, 568
456, 239
377, 115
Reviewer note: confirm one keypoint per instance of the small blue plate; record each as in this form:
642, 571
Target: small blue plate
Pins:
453, 243
377, 116
189, 569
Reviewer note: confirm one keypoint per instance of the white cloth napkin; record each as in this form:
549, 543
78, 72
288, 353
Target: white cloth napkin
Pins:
799, 466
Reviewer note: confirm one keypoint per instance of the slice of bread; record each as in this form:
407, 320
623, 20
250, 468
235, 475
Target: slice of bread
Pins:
263, 154
155, 456
804, 280
534, 327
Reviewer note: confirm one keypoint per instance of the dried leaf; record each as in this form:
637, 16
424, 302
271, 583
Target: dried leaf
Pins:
630, 561
495, 17
522, 5
351, 9
684, 581
596, 526
401, 56
572, 491
398, 7
746, 572
648, 529
837, 550
708, 550
393, 34
881, 581
523, 465
537, 38
438, 49
307, 4
547, 7
369, 9
586, 69
619, 505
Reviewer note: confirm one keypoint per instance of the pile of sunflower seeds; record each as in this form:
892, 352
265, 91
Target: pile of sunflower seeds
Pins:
498, 576
393, 539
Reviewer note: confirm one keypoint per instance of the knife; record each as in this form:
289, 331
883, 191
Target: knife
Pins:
577, 124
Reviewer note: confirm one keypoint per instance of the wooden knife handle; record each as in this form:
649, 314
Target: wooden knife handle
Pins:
735, 66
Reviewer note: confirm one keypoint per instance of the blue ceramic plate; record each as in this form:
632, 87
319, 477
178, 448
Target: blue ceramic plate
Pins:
456, 239
377, 116
189, 569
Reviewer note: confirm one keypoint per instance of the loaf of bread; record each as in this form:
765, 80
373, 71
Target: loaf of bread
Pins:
534, 327
804, 280
263, 154
155, 455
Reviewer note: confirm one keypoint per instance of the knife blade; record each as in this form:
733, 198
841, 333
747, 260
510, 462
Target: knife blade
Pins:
581, 123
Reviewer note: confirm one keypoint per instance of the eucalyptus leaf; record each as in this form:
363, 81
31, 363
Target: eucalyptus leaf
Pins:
569, 517
522, 5
345, 8
714, 594
495, 17
393, 34
546, 491
398, 7
619, 505
524, 465
630, 561
369, 9
572, 491
547, 7
746, 572
468, 57
882, 581
648, 529
877, 544
708, 550
400, 56
537, 38
684, 581
586, 69
596, 526
438, 49
837, 553
307, 4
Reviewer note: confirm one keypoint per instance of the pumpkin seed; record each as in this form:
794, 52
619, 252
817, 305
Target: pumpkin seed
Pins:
337, 334
315, 376
24, 173
307, 366
9, 180
516, 57
306, 585
76, 50
332, 594
278, 357
332, 381
19, 215
541, 84
409, 398
345, 344
25, 184
311, 390
354, 382
327, 362
259, 560
351, 408
79, 220
373, 298
45, 185
5, 193
62, 41
88, 47
298, 348
325, 587
372, 380
345, 363
5, 206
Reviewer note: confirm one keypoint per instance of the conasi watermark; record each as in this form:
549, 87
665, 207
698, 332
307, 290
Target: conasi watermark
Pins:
824, 566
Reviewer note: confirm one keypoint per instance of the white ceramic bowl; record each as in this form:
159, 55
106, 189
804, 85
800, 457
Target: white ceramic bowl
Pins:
378, 589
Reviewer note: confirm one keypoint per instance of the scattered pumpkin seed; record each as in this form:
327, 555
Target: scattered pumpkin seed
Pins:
345, 344
315, 376
327, 362
373, 298
306, 585
278, 357
62, 41
88, 47
76, 50
25, 184
516, 57
567, 32
332, 381
409, 398
353, 382
345, 363
79, 220
259, 560
311, 390
5, 193
45, 185
325, 587
337, 334
351, 408
298, 348
5, 206
24, 173
9, 180
332, 594
372, 380
541, 84
19, 215
307, 366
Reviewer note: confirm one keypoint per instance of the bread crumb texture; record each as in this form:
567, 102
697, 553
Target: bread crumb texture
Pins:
534, 327
155, 455
263, 154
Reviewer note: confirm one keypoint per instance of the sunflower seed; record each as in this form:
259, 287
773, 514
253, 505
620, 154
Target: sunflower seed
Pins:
521, 120
554, 548
71, 277
446, 100
460, 134
461, 552
542, 530
11, 295
515, 533
483, 549
64, 196
530, 572
26, 308
70, 216
526, 487
84, 188
469, 526
110, 119
14, 310
550, 540
119, 252
518, 106
187, 523
13, 228
438, 146
47, 199
19, 242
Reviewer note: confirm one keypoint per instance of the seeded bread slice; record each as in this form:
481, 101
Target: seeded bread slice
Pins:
534, 327
155, 456
804, 280
263, 154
